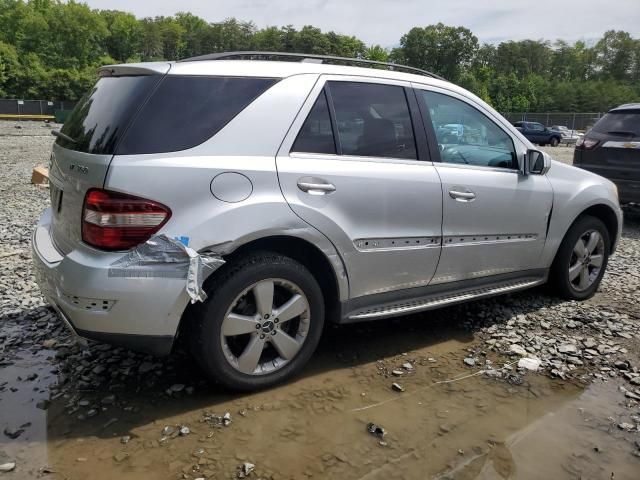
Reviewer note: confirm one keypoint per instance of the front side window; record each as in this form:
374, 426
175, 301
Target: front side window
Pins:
467, 136
538, 127
373, 120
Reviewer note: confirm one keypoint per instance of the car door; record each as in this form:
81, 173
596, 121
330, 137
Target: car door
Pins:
538, 134
353, 167
494, 218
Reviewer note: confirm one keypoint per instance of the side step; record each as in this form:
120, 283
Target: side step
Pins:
438, 300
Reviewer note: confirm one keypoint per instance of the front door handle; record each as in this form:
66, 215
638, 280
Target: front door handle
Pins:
466, 196
316, 187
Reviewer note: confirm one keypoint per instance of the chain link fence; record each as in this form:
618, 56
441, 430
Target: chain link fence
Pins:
15, 108
571, 120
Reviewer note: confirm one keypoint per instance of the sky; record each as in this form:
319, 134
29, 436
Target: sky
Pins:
385, 21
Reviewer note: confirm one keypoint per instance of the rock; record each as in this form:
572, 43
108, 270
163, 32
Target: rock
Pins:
184, 430
469, 361
99, 369
568, 348
226, 419
376, 430
626, 426
529, 363
50, 343
177, 388
120, 456
407, 366
589, 343
13, 433
632, 396
517, 350
43, 404
622, 365
125, 439
545, 325
7, 467
397, 387
445, 428
145, 367
245, 469
397, 373
168, 430
635, 381
108, 400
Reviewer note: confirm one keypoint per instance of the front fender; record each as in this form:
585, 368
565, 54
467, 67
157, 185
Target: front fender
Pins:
574, 192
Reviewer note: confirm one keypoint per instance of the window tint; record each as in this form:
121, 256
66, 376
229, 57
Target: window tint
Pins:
467, 136
101, 116
619, 123
373, 120
316, 135
184, 111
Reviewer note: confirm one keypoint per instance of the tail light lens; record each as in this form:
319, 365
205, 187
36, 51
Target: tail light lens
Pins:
117, 221
586, 143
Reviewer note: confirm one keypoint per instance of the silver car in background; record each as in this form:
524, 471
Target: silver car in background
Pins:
243, 203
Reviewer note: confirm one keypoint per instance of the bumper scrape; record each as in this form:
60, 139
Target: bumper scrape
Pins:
161, 256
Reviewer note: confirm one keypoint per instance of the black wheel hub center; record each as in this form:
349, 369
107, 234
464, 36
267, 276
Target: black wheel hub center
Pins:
268, 326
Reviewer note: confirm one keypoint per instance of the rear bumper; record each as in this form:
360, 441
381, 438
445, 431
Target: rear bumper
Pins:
140, 313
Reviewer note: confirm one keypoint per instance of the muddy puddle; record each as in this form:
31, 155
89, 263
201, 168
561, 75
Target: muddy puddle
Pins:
447, 424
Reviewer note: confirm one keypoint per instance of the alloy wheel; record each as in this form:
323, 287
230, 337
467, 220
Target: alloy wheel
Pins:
586, 260
265, 326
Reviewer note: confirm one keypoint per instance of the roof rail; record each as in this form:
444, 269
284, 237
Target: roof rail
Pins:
254, 55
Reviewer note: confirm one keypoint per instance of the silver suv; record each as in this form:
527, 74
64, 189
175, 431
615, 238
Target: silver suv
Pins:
241, 203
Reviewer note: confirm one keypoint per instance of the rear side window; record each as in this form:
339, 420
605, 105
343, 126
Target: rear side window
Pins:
316, 135
100, 118
619, 123
184, 111
373, 120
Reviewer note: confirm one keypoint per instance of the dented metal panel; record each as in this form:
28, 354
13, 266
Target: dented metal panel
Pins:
161, 256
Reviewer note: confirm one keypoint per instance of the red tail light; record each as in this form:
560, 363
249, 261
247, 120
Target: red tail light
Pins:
117, 221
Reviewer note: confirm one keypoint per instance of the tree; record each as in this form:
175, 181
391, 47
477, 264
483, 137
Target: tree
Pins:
439, 48
614, 55
125, 34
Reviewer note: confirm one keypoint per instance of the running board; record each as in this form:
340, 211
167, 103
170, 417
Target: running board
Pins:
431, 302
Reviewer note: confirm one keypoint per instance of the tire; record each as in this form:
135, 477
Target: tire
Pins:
554, 141
568, 261
232, 295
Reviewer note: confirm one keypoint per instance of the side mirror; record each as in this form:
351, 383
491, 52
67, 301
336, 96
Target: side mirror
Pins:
536, 162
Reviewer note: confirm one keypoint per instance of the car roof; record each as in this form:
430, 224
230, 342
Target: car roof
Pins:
625, 107
266, 68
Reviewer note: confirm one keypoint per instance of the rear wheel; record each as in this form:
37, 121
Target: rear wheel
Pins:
581, 259
260, 324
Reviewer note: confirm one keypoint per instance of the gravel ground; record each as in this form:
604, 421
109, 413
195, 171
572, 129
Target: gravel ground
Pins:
125, 412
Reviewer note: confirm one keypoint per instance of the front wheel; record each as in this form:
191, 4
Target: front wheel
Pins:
260, 324
554, 142
581, 259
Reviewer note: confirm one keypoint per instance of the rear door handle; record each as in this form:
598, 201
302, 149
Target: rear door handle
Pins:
466, 196
316, 187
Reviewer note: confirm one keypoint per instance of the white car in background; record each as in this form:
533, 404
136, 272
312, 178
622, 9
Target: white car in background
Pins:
568, 136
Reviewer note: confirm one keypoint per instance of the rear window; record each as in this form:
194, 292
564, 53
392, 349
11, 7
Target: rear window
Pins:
101, 116
619, 123
154, 114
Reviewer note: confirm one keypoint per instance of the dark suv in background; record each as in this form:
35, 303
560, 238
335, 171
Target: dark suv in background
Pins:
612, 149
538, 133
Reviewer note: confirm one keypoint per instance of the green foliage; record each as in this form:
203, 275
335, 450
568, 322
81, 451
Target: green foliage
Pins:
51, 49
